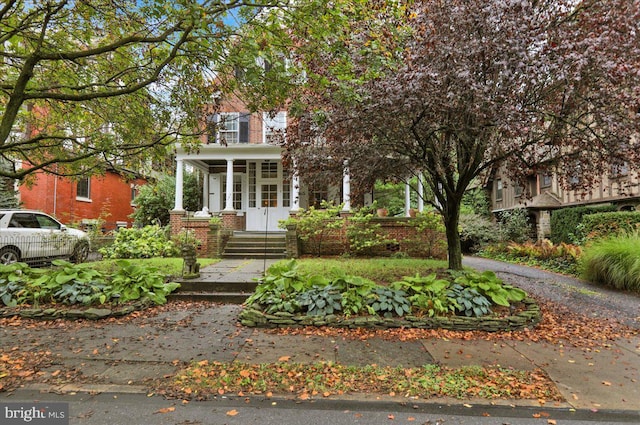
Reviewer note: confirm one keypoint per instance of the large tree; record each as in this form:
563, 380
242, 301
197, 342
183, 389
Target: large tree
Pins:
456, 88
86, 85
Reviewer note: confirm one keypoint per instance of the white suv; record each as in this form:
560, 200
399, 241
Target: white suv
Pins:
35, 237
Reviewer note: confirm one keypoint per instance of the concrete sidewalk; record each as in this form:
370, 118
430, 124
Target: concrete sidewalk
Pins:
126, 356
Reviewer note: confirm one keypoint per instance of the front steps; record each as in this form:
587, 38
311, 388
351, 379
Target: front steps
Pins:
217, 292
256, 245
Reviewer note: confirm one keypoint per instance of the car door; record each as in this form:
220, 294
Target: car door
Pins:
56, 241
38, 235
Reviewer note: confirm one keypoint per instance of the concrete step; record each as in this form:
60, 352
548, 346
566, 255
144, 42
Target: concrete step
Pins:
214, 297
253, 255
190, 285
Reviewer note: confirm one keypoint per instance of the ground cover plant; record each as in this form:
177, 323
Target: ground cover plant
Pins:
561, 258
82, 284
286, 288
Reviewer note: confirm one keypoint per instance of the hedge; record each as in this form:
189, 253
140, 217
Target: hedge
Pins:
564, 222
596, 226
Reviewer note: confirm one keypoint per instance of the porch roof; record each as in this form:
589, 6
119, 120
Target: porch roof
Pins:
209, 154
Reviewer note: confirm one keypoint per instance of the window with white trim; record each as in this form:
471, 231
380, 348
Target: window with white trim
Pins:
83, 188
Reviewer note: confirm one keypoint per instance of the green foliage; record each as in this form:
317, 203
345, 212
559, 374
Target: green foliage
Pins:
146, 242
135, 281
278, 289
388, 302
489, 285
430, 240
613, 262
561, 258
17, 284
607, 224
469, 301
565, 221
355, 291
514, 225
70, 283
476, 202
390, 195
76, 283
427, 294
315, 225
364, 235
476, 232
321, 300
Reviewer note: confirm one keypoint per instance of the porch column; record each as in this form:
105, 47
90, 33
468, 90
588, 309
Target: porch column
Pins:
295, 191
407, 199
205, 191
228, 201
179, 185
346, 187
420, 192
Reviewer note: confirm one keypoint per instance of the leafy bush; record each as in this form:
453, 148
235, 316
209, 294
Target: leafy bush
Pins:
605, 225
315, 225
561, 258
613, 262
321, 300
387, 302
565, 221
278, 289
364, 235
489, 285
69, 283
476, 232
427, 294
355, 291
146, 242
430, 240
469, 302
514, 225
135, 281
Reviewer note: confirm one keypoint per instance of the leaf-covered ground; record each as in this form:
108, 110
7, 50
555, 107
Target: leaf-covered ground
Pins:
559, 326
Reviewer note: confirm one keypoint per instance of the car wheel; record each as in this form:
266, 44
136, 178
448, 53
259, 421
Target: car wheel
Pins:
9, 255
80, 252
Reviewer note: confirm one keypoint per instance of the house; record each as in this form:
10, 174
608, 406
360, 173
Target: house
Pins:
542, 194
246, 181
109, 197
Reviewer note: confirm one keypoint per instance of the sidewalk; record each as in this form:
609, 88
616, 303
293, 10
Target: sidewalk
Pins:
124, 357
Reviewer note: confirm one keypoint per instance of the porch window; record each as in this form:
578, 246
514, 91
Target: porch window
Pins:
318, 196
237, 191
269, 170
286, 193
274, 127
83, 189
252, 185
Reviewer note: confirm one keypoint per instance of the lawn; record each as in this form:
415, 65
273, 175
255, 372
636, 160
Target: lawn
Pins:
170, 267
380, 270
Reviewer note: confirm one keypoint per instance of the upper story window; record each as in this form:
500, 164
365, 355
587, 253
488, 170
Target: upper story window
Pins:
274, 127
228, 128
498, 190
545, 180
83, 188
620, 169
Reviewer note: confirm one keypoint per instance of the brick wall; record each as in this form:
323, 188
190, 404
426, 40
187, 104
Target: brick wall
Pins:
425, 244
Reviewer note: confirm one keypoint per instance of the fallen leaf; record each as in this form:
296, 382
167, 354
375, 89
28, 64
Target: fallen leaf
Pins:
233, 412
166, 410
608, 384
284, 359
551, 422
391, 417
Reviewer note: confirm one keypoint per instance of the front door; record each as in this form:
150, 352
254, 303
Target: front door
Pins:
268, 196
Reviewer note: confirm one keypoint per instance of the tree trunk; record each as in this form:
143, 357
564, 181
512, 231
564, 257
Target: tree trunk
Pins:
451, 221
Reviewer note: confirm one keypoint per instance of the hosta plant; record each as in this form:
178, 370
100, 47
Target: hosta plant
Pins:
321, 300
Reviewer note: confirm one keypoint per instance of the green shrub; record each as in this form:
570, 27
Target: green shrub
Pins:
315, 225
71, 284
430, 240
387, 302
565, 221
145, 242
489, 285
321, 300
605, 225
468, 301
613, 262
514, 225
476, 232
364, 235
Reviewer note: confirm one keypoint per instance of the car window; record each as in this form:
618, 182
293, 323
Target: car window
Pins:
26, 220
46, 222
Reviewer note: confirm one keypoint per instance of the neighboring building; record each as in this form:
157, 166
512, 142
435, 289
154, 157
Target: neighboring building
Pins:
620, 186
83, 202
245, 179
